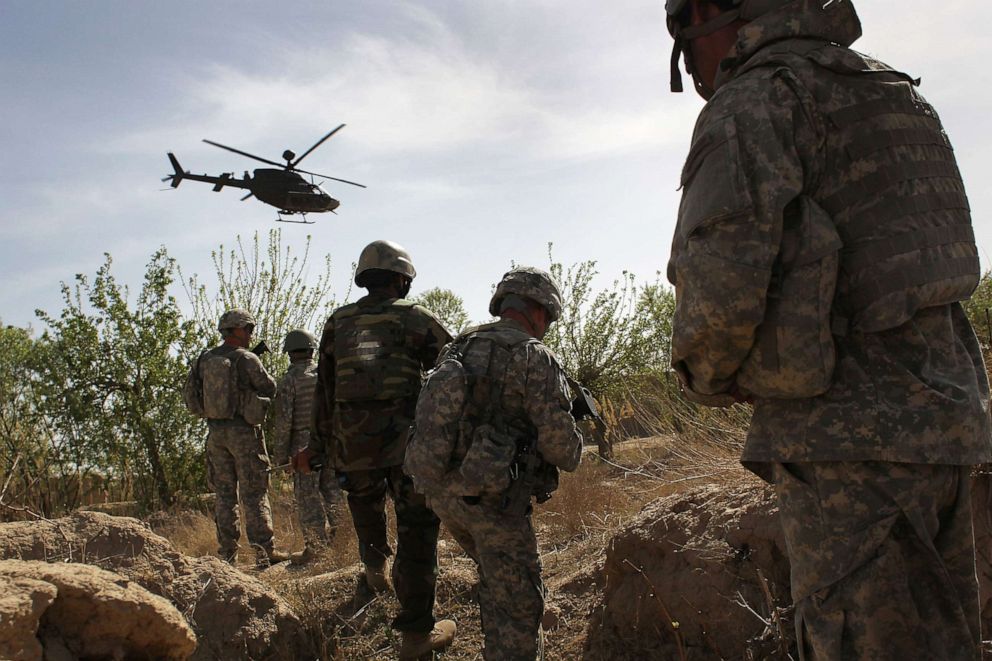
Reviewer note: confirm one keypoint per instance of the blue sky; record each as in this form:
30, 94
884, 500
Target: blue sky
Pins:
483, 130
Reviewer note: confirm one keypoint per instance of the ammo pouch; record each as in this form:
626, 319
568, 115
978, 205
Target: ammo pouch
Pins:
486, 466
253, 407
793, 355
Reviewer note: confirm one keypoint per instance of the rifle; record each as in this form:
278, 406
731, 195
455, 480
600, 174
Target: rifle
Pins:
316, 463
523, 481
583, 404
530, 475
261, 348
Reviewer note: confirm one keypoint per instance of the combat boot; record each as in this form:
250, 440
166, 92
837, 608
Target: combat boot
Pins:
417, 644
375, 578
265, 558
304, 556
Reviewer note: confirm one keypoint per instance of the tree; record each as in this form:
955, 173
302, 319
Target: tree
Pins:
979, 310
271, 283
604, 338
111, 379
449, 308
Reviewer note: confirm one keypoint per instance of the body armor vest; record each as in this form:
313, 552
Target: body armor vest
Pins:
373, 360
889, 182
304, 383
486, 358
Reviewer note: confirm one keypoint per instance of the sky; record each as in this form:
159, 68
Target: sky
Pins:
483, 130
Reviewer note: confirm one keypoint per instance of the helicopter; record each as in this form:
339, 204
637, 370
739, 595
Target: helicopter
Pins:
284, 188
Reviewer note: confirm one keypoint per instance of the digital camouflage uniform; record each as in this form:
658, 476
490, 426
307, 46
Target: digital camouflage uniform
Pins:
823, 243
371, 359
315, 492
470, 439
237, 464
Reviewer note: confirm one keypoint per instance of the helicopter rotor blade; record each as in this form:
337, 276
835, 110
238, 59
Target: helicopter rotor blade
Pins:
325, 176
293, 165
244, 153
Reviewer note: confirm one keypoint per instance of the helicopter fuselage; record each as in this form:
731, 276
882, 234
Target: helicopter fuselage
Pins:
286, 190
289, 191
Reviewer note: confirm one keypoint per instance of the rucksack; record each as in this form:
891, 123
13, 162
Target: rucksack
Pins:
435, 431
211, 389
459, 442
193, 390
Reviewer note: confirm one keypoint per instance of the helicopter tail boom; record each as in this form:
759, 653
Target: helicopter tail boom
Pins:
178, 176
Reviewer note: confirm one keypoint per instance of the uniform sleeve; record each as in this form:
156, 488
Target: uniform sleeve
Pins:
323, 393
283, 423
749, 159
548, 404
256, 375
432, 336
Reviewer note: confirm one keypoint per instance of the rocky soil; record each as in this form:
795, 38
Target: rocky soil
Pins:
637, 566
232, 613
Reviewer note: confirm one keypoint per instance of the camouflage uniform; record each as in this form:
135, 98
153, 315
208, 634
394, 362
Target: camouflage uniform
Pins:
371, 358
237, 465
526, 401
315, 492
823, 244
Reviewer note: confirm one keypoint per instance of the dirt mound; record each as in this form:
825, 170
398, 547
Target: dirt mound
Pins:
232, 613
81, 611
23, 602
688, 572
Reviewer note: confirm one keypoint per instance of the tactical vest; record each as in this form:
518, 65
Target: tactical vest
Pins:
466, 436
889, 182
486, 357
304, 383
218, 374
372, 357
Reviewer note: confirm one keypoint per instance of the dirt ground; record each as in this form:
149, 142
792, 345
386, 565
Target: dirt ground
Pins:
573, 528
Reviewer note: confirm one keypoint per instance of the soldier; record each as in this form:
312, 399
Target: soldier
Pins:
823, 247
509, 400
232, 390
372, 356
315, 492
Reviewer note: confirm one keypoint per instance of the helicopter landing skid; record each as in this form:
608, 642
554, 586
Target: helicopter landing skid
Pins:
280, 219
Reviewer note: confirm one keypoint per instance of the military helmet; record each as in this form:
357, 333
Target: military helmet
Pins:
386, 256
299, 340
236, 318
744, 10
532, 283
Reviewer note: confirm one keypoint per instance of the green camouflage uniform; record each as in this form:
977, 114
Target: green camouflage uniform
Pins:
315, 492
370, 363
823, 244
237, 465
532, 396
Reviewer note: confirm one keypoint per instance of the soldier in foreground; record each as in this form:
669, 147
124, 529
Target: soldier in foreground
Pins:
373, 354
823, 247
314, 492
230, 388
497, 406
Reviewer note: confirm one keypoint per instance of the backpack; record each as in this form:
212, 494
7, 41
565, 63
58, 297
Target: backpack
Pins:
193, 390
459, 442
211, 389
435, 429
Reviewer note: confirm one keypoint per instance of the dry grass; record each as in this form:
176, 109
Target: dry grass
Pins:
345, 621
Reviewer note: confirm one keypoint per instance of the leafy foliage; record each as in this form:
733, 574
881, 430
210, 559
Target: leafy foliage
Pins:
107, 384
448, 306
270, 282
605, 338
979, 310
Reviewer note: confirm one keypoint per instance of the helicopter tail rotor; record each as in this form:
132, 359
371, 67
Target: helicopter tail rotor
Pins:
178, 176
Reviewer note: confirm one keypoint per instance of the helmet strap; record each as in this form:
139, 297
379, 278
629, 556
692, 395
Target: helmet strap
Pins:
676, 84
